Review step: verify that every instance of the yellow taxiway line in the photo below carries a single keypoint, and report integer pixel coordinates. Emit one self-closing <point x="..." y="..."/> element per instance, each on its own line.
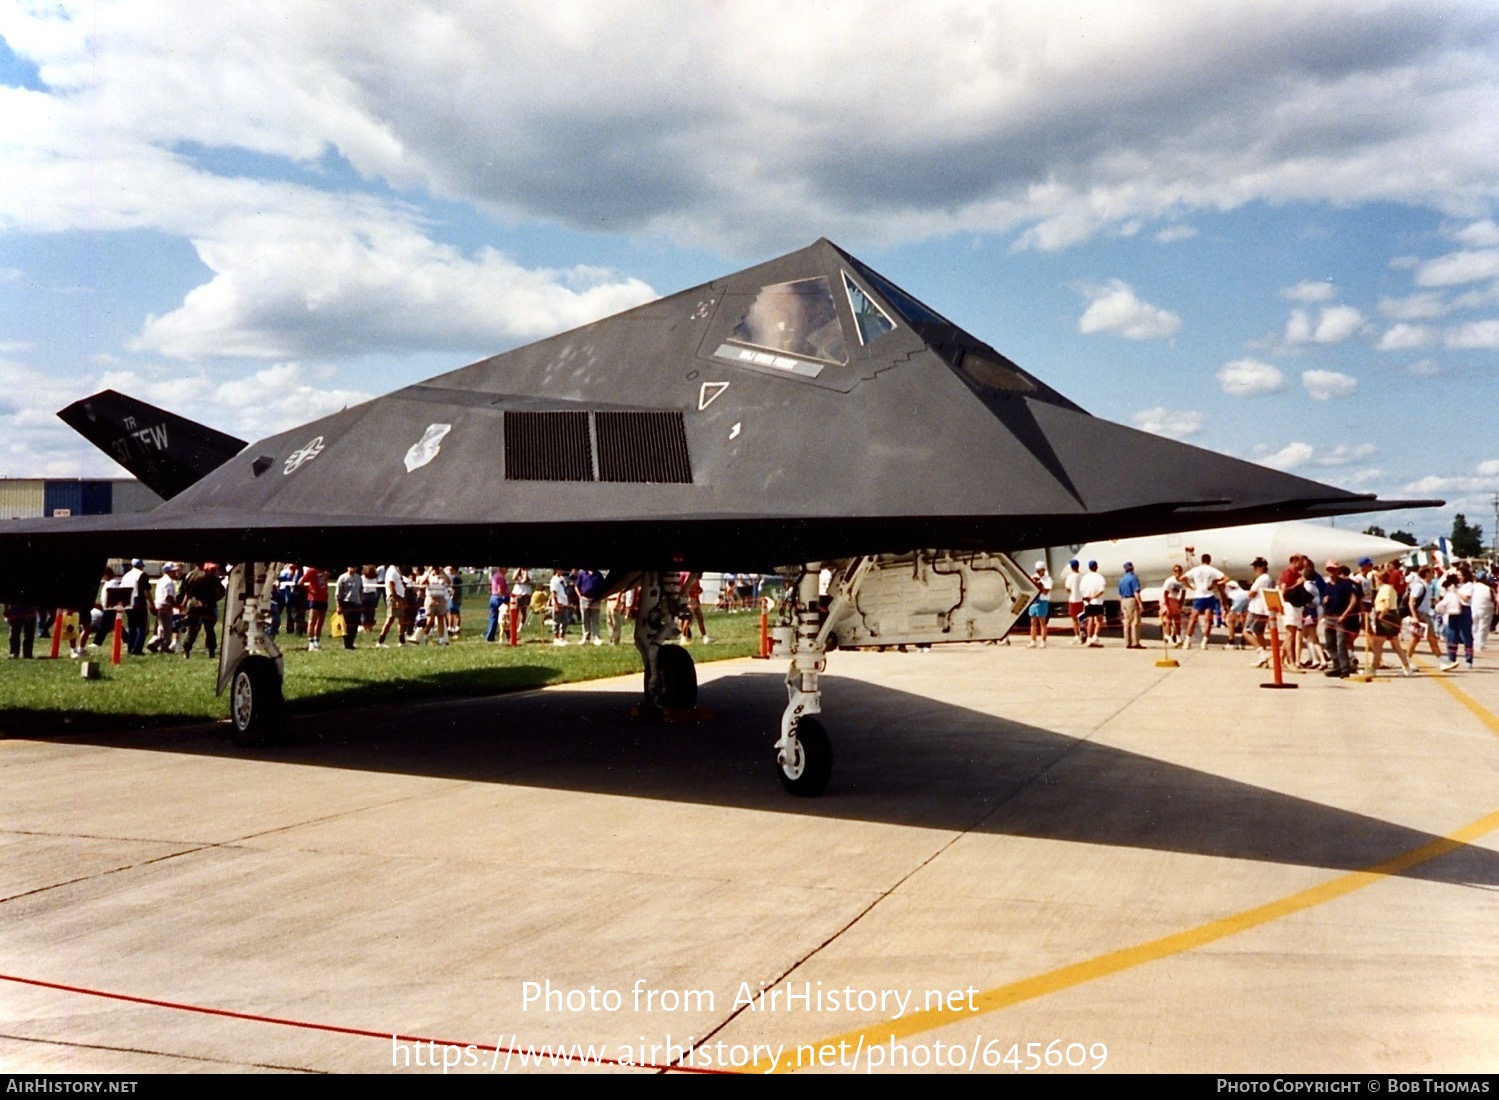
<point x="1115" y="962"/>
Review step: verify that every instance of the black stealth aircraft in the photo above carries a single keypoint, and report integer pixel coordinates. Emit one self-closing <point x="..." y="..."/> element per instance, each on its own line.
<point x="802" y="414"/>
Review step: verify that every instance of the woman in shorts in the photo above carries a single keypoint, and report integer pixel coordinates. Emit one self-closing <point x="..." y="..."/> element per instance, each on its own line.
<point x="1310" y="614"/>
<point x="1040" y="612"/>
<point x="437" y="604"/>
<point x="315" y="581"/>
<point x="1384" y="626"/>
<point x="1173" y="594"/>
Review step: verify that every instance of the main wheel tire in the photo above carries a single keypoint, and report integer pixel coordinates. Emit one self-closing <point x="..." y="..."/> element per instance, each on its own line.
<point x="255" y="701"/>
<point x="678" y="678"/>
<point x="809" y="765"/>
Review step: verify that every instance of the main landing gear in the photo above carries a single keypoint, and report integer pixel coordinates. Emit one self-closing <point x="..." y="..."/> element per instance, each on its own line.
<point x="670" y="675"/>
<point x="250" y="663"/>
<point x="918" y="598"/>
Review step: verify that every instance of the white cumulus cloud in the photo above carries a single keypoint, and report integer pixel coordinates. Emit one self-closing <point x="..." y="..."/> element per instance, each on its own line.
<point x="35" y="443"/>
<point x="1457" y="483"/>
<point x="1290" y="456"/>
<point x="1297" y="454"/>
<point x="1402" y="336"/>
<point x="1365" y="476"/>
<point x="1298" y="327"/>
<point x="1323" y="385"/>
<point x="1250" y="378"/>
<point x="1173" y="233"/>
<point x="1334" y="325"/>
<point x="285" y="284"/>
<point x="1114" y="308"/>
<point x="642" y="119"/>
<point x="1475" y="334"/>
<point x="1174" y="423"/>
<point x="1345" y="454"/>
<point x="1337" y="324"/>
<point x="1315" y="290"/>
<point x="1480" y="234"/>
<point x="1417" y="307"/>
<point x="1459" y="267"/>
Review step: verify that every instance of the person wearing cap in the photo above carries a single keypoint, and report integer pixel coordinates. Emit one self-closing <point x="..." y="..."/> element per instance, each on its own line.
<point x="1040" y="607"/>
<point x="165" y="599"/>
<point x="1259" y="610"/>
<point x="1074" y="600"/>
<point x="1131" y="607"/>
<point x="1368" y="584"/>
<point x="1091" y="588"/>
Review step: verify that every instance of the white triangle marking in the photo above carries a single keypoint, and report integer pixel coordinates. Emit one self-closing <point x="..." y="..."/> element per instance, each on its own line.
<point x="708" y="393"/>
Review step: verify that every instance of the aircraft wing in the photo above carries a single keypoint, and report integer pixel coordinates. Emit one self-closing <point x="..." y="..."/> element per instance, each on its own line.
<point x="801" y="410"/>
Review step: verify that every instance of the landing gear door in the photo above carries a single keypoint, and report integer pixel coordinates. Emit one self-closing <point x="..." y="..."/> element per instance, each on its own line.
<point x="932" y="596"/>
<point x="247" y="592"/>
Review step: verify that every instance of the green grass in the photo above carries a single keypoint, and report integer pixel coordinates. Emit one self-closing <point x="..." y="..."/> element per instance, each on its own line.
<point x="44" y="696"/>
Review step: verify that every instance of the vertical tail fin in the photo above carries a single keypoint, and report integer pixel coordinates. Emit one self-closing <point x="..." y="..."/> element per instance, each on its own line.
<point x="165" y="452"/>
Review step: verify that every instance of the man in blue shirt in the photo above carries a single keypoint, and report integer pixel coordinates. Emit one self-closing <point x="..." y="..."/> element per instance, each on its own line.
<point x="1130" y="606"/>
<point x="1341" y="604"/>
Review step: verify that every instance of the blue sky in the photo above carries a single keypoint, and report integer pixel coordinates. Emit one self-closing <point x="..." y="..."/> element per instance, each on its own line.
<point x="1262" y="228"/>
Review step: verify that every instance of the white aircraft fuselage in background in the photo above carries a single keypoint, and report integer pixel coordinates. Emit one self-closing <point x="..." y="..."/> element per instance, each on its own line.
<point x="1232" y="549"/>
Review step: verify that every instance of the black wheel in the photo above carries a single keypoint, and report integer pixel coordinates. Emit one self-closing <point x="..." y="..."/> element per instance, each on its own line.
<point x="678" y="678"/>
<point x="255" y="702"/>
<point x="809" y="761"/>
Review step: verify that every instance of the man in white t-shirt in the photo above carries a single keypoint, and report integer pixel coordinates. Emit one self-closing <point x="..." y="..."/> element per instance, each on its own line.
<point x="1091" y="588"/>
<point x="395" y="605"/>
<point x="1207" y="584"/>
<point x="165" y="600"/>
<point x="1074" y="600"/>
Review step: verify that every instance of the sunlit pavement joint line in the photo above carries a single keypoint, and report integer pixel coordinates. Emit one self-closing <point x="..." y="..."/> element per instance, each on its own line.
<point x="1115" y="962"/>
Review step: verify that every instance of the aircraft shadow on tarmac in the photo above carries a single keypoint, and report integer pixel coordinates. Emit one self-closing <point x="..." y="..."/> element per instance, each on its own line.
<point x="900" y="759"/>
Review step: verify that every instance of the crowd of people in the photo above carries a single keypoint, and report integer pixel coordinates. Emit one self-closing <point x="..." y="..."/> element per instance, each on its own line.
<point x="1321" y="615"/>
<point x="168" y="613"/>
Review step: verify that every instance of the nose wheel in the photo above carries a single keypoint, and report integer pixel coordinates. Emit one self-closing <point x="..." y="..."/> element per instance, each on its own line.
<point x="805" y="764"/>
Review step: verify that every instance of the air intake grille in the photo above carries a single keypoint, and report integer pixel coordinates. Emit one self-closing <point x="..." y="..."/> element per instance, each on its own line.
<point x="640" y="447"/>
<point x="548" y="446"/>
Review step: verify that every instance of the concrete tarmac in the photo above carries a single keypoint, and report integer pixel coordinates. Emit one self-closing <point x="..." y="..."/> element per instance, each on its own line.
<point x="1060" y="860"/>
